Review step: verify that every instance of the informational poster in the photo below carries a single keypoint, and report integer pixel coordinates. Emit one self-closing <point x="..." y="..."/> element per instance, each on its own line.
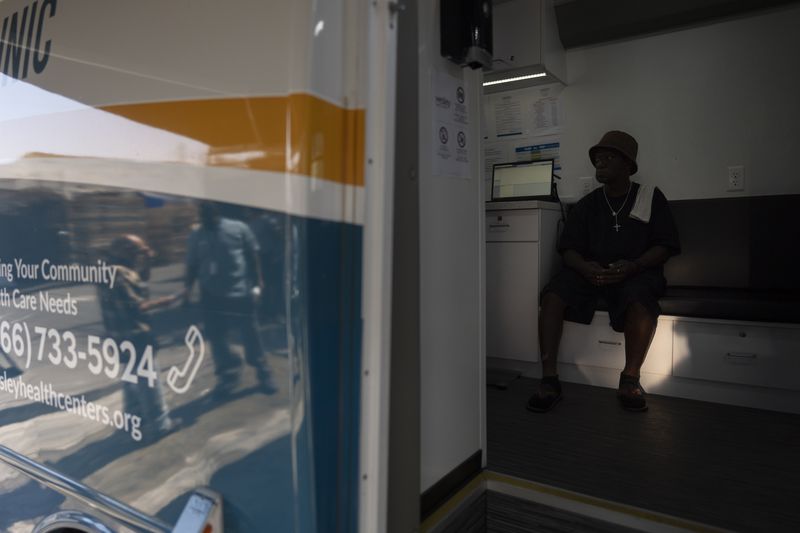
<point x="530" y="112"/>
<point x="450" y="127"/>
<point x="545" y="110"/>
<point x="539" y="149"/>
<point x="522" y="125"/>
<point x="508" y="112"/>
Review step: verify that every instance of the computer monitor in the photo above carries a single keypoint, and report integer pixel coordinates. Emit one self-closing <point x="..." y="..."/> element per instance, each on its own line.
<point x="523" y="180"/>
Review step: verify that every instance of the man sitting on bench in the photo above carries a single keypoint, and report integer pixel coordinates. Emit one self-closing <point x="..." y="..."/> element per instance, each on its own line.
<point x="614" y="245"/>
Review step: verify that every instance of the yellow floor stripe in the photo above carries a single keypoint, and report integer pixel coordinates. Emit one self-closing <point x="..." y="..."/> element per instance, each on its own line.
<point x="482" y="479"/>
<point x="603" y="504"/>
<point x="450" y="505"/>
<point x="298" y="133"/>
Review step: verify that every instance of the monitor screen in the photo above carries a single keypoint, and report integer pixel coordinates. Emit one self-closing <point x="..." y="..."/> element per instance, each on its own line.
<point x="522" y="180"/>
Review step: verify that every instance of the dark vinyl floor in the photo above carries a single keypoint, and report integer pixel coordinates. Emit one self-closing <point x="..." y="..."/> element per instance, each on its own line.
<point x="494" y="512"/>
<point x="506" y="514"/>
<point x="721" y="465"/>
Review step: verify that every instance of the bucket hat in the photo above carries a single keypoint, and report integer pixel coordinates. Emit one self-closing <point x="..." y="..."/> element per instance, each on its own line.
<point x="622" y="143"/>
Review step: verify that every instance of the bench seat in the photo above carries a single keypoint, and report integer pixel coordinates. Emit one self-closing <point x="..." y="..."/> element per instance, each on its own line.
<point x="732" y="304"/>
<point x="729" y="304"/>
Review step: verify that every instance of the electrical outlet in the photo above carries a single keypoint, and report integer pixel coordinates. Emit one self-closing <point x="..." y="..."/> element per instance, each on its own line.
<point x="586" y="185"/>
<point x="735" y="178"/>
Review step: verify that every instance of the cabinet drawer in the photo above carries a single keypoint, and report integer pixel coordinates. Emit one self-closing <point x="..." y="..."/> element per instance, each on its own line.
<point x="512" y="300"/>
<point x="519" y="225"/>
<point x="597" y="344"/>
<point x="747" y="355"/>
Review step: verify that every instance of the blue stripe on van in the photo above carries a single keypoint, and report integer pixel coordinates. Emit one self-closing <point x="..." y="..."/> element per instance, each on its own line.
<point x="329" y="258"/>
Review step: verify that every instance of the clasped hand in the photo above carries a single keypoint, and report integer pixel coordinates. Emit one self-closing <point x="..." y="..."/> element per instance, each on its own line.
<point x="616" y="272"/>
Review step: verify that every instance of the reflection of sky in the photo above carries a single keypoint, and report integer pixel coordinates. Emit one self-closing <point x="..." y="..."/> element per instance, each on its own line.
<point x="37" y="121"/>
<point x="23" y="100"/>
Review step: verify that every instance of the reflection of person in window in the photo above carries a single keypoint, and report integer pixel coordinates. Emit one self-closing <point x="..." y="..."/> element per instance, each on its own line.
<point x="222" y="256"/>
<point x="125" y="309"/>
<point x="269" y="229"/>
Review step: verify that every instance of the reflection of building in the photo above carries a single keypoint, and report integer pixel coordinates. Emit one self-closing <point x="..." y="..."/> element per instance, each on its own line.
<point x="96" y="217"/>
<point x="75" y="223"/>
<point x="32" y="222"/>
<point x="167" y="227"/>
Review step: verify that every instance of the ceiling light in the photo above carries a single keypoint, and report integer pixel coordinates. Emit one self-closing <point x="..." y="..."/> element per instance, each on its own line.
<point x="515" y="78"/>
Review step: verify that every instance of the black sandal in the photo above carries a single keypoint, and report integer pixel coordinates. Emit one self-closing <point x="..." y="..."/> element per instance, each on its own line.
<point x="631" y="394"/>
<point x="548" y="395"/>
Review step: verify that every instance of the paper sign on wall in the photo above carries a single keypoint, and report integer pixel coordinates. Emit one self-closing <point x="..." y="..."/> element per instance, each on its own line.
<point x="530" y="112"/>
<point x="450" y="127"/>
<point x="538" y="151"/>
<point x="522" y="125"/>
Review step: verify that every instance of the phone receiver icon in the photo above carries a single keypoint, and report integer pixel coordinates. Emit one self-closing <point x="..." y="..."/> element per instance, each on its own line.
<point x="194" y="341"/>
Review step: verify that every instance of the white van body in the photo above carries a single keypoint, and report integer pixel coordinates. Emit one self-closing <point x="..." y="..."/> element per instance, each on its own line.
<point x="194" y="203"/>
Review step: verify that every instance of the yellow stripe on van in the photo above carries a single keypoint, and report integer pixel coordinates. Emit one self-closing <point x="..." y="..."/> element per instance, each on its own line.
<point x="299" y="133"/>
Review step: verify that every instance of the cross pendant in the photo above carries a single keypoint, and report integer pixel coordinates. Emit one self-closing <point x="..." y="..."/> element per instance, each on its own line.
<point x="616" y="227"/>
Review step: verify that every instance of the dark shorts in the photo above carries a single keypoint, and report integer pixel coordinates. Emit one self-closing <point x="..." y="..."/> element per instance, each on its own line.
<point x="582" y="297"/>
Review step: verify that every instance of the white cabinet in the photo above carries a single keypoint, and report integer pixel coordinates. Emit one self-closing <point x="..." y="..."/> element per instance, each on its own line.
<point x="598" y="345"/>
<point x="751" y="364"/>
<point x="520" y="259"/>
<point x="520" y="225"/>
<point x="512" y="298"/>
<point x="742" y="353"/>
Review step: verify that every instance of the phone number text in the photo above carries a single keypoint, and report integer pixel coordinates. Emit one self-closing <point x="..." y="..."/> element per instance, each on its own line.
<point x="101" y="356"/>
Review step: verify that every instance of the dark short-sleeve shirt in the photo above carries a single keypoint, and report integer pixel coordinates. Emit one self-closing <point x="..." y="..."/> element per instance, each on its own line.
<point x="222" y="258"/>
<point x="590" y="228"/>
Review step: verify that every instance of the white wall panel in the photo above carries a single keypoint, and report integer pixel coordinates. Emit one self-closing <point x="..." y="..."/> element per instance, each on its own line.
<point x="698" y="101"/>
<point x="451" y="248"/>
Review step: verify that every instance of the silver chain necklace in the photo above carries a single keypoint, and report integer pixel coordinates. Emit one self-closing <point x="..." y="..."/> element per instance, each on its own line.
<point x="616" y="225"/>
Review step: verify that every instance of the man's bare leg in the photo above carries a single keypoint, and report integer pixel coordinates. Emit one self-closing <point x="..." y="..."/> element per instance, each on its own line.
<point x="551" y="322"/>
<point x="639" y="331"/>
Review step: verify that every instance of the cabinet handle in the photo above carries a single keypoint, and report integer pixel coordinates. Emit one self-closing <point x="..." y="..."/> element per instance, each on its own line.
<point x="613" y="343"/>
<point x="492" y="226"/>
<point x="741" y="356"/>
